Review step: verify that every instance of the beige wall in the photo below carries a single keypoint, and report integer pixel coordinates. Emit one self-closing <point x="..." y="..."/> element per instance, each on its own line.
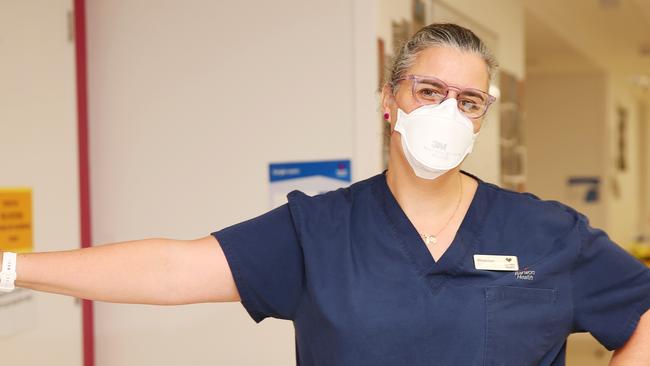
<point x="565" y="136"/>
<point x="189" y="102"/>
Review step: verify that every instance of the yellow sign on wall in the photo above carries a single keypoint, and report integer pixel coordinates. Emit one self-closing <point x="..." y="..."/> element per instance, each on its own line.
<point x="16" y="219"/>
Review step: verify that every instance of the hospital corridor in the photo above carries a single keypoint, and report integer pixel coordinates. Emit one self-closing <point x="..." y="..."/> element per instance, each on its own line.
<point x="332" y="183"/>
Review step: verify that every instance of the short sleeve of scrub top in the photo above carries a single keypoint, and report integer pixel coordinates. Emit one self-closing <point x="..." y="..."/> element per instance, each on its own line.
<point x="361" y="287"/>
<point x="265" y="259"/>
<point x="610" y="288"/>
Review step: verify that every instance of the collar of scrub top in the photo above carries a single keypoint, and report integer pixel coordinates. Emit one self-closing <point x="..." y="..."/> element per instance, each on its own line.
<point x="462" y="247"/>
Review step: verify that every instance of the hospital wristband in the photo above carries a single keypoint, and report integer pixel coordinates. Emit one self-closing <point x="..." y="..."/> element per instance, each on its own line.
<point x="8" y="273"/>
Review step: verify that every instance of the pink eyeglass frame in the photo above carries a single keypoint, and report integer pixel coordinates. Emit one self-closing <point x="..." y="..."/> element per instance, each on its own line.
<point x="490" y="98"/>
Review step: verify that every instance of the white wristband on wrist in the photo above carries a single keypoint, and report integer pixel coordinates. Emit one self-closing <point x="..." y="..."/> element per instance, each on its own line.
<point x="8" y="273"/>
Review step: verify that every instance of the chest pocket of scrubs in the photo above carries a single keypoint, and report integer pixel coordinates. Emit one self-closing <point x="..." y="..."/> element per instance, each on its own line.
<point x="520" y="324"/>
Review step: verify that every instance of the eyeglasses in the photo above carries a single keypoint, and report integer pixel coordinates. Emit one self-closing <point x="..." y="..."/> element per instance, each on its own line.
<point x="427" y="90"/>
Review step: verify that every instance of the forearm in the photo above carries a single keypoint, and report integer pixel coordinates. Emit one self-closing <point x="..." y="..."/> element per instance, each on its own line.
<point x="128" y="272"/>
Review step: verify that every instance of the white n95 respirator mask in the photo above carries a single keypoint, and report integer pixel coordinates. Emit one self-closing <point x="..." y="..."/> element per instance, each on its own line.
<point x="435" y="138"/>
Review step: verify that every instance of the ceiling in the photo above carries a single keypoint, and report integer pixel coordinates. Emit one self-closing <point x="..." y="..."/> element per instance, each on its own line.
<point x="588" y="35"/>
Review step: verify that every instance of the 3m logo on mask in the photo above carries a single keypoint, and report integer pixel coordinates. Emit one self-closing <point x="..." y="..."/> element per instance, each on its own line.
<point x="437" y="145"/>
<point x="438" y="149"/>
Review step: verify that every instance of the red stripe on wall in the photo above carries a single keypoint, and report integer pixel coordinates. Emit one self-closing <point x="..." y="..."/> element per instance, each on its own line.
<point x="84" y="172"/>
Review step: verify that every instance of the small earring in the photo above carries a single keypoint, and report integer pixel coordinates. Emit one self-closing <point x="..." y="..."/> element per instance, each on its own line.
<point x="386" y="116"/>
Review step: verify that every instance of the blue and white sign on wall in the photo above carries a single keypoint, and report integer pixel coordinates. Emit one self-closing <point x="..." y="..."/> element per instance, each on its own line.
<point x="311" y="177"/>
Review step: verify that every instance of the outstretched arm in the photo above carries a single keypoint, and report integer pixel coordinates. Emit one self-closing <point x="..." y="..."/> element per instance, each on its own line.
<point x="151" y="271"/>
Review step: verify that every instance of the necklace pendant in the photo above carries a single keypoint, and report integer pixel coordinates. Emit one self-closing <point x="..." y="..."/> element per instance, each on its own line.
<point x="429" y="239"/>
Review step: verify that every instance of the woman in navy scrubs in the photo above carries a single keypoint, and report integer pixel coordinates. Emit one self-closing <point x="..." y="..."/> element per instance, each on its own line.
<point x="423" y="264"/>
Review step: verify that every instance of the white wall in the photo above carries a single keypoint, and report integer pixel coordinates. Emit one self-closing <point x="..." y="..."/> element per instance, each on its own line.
<point x="189" y="102"/>
<point x="38" y="145"/>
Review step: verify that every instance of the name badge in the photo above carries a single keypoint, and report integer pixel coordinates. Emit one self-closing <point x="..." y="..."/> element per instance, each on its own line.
<point x="496" y="262"/>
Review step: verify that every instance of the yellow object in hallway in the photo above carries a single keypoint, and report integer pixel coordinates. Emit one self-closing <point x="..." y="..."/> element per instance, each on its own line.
<point x="640" y="248"/>
<point x="16" y="219"/>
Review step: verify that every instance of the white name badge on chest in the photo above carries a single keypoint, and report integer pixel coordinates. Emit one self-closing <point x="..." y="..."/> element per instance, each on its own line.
<point x="496" y="262"/>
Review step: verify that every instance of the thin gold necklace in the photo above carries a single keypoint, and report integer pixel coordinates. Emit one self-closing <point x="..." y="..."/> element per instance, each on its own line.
<point x="433" y="239"/>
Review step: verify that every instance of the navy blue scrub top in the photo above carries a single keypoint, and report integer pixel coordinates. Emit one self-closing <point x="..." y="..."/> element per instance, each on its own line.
<point x="361" y="287"/>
